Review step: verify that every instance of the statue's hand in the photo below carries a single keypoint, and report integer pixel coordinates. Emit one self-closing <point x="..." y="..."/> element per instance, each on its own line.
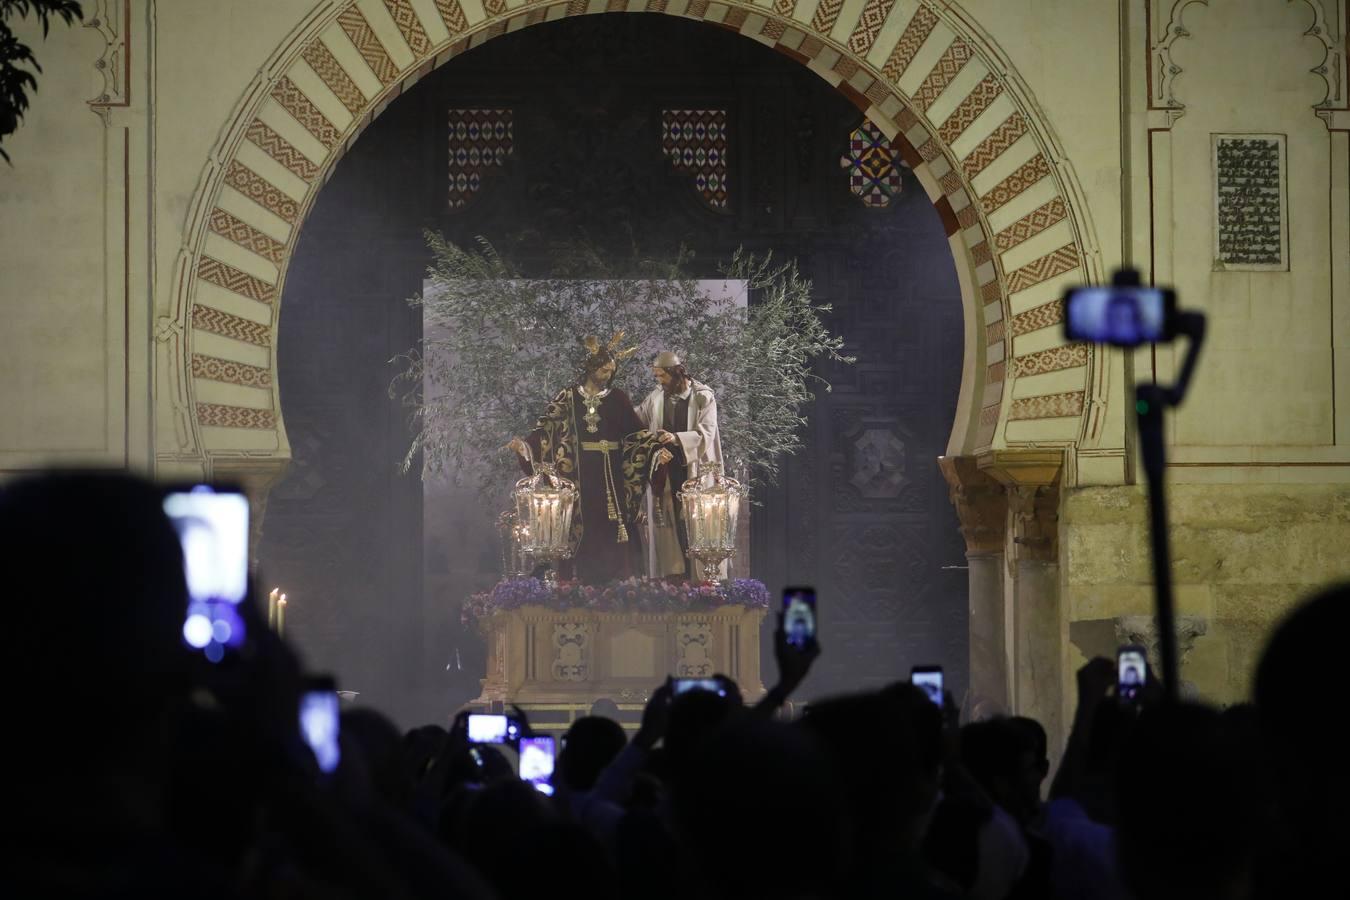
<point x="520" y="447"/>
<point x="665" y="437"/>
<point x="663" y="457"/>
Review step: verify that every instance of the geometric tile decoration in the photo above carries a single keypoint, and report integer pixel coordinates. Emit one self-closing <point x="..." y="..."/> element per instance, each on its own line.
<point x="1048" y="266"/>
<point x="326" y="66"/>
<point x="869" y="25"/>
<point x="261" y="191"/>
<point x="214" y="368"/>
<point x="992" y="147"/>
<point x="231" y="279"/>
<point x="1043" y="316"/>
<point x="368" y="45"/>
<point x="995" y="372"/>
<point x="734" y="18"/>
<point x="1052" y="360"/>
<point x="948" y="66"/>
<point x="969" y="109"/>
<point x="246" y="236"/>
<point x="208" y="318"/>
<point x="452" y="15"/>
<point x="826" y="13"/>
<point x="1048" y="406"/>
<point x="1032" y="224"/>
<point x="1030" y="172"/>
<point x="408" y="24"/>
<point x="873" y="166"/>
<point x="480" y="139"/>
<point x="916" y="32"/>
<point x="989" y="415"/>
<point x="294" y="101"/>
<point x="218" y="415"/>
<point x="497" y="7"/>
<point x="773" y="29"/>
<point x="695" y="141"/>
<point x="281" y="150"/>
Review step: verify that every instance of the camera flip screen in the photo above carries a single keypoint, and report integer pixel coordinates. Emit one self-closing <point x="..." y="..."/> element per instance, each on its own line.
<point x="1124" y="316"/>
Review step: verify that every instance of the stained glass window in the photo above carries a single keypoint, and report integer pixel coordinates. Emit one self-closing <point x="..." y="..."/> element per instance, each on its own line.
<point x="873" y="166"/>
<point x="480" y="140"/>
<point x="695" y="141"/>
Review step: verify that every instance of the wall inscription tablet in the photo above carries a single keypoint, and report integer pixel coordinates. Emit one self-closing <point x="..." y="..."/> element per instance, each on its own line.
<point x="1250" y="212"/>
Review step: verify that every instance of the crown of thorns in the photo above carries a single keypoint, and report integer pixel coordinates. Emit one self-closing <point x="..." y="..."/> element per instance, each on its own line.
<point x="593" y="347"/>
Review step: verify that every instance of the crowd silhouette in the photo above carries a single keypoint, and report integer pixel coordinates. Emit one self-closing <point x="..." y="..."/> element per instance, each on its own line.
<point x="139" y="769"/>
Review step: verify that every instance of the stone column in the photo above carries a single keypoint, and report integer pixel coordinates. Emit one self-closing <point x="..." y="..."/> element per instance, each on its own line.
<point x="982" y="508"/>
<point x="1037" y="628"/>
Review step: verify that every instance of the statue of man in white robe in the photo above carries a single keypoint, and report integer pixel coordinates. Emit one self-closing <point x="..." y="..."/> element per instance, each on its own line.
<point x="682" y="413"/>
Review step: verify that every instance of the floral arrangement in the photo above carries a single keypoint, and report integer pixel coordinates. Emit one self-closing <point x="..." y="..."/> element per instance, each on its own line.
<point x="640" y="594"/>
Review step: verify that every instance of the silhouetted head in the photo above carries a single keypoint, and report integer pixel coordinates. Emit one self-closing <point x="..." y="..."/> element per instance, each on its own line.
<point x="1183" y="812"/>
<point x="494" y="823"/>
<point x="1307" y="764"/>
<point x="763" y="813"/>
<point x="888" y="748"/>
<point x="381" y="748"/>
<point x="1002" y="760"/>
<point x="607" y="708"/>
<point x="592" y="743"/>
<point x="95" y="603"/>
<point x="694" y="716"/>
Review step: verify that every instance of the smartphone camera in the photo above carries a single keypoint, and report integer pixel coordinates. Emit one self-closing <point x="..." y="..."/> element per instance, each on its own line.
<point x="212" y="527"/>
<point x="536" y="763"/>
<point x="799" y="616"/>
<point x="1131" y="674"/>
<point x="1123" y="315"/>
<point x="929" y="680"/>
<point x="319" y="719"/>
<point x="712" y="685"/>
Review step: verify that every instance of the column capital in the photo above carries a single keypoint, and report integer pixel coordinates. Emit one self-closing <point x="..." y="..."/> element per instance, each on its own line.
<point x="1031" y="479"/>
<point x="981" y="504"/>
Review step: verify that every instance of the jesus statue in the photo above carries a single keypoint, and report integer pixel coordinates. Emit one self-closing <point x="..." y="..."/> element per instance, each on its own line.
<point x="592" y="436"/>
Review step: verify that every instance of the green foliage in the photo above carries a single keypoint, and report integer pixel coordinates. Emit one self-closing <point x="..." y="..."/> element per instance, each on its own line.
<point x="15" y="82"/>
<point x="499" y="345"/>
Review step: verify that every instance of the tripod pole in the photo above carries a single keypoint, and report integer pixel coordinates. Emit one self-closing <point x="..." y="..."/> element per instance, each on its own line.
<point x="1149" y="402"/>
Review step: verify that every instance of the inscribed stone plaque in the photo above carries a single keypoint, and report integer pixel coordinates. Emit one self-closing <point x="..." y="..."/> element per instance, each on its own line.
<point x="1251" y="230"/>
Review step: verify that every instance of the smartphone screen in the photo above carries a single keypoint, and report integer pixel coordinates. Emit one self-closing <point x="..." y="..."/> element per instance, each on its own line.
<point x="929" y="680"/>
<point x="681" y="685"/>
<point x="1131" y="673"/>
<point x="319" y="725"/>
<point x="212" y="526"/>
<point x="487" y="728"/>
<point x="799" y="616"/>
<point x="1126" y="316"/>
<point x="536" y="762"/>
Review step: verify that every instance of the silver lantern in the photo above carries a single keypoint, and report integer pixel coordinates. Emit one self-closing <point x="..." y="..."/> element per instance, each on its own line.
<point x="712" y="504"/>
<point x="545" y="502"/>
<point x="516" y="562"/>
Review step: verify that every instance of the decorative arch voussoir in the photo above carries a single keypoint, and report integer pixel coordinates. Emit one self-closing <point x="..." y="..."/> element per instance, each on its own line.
<point x="853" y="53"/>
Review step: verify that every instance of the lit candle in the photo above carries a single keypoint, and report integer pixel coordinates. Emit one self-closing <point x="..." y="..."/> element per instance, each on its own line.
<point x="281" y="616"/>
<point x="272" y="608"/>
